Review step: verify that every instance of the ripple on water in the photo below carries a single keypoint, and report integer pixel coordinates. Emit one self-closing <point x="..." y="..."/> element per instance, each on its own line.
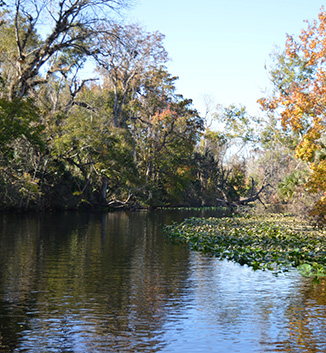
<point x="117" y="285"/>
<point x="235" y="309"/>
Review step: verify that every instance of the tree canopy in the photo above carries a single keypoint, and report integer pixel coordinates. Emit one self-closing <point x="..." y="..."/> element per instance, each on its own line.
<point x="123" y="136"/>
<point x="299" y="98"/>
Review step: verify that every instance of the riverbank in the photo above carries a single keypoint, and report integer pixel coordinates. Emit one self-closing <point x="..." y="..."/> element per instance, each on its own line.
<point x="275" y="242"/>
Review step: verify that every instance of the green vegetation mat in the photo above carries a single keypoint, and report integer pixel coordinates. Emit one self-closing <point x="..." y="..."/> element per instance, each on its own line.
<point x="273" y="242"/>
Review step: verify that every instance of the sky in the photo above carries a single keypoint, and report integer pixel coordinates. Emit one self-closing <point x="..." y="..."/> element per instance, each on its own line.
<point x="219" y="48"/>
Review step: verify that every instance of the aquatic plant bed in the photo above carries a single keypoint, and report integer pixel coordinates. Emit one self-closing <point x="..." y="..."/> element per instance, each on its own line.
<point x="202" y="208"/>
<point x="273" y="242"/>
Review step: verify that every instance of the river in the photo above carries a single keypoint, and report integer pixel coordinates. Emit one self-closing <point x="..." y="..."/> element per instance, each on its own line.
<point x="78" y="282"/>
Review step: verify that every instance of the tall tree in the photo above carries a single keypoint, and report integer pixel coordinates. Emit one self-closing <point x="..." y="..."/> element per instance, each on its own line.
<point x="43" y="46"/>
<point x="165" y="130"/>
<point x="99" y="153"/>
<point x="66" y="31"/>
<point x="300" y="98"/>
<point x="126" y="56"/>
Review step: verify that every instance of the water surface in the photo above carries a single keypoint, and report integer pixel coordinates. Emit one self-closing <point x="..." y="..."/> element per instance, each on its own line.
<point x="113" y="283"/>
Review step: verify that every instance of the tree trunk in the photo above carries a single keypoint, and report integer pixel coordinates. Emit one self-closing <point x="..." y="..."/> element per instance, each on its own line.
<point x="104" y="187"/>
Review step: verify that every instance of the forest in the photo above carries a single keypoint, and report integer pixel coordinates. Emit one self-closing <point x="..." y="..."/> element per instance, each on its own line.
<point x="122" y="137"/>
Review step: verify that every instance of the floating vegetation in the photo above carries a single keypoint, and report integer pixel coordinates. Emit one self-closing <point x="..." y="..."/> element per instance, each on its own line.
<point x="276" y="242"/>
<point x="202" y="208"/>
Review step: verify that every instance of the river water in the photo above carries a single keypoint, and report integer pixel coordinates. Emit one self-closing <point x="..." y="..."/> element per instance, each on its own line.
<point x="83" y="283"/>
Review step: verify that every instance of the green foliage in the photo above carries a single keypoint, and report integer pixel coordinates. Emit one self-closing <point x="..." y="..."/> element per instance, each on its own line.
<point x="317" y="270"/>
<point x="237" y="179"/>
<point x="290" y="184"/>
<point x="164" y="140"/>
<point x="272" y="134"/>
<point x="95" y="149"/>
<point x="276" y="243"/>
<point x="216" y="143"/>
<point x="19" y="118"/>
<point x="74" y="141"/>
<point x="286" y="70"/>
<point x="238" y="124"/>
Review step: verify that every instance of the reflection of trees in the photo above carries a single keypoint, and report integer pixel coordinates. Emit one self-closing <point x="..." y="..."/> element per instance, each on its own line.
<point x="154" y="279"/>
<point x="307" y="319"/>
<point x="18" y="253"/>
<point x="73" y="281"/>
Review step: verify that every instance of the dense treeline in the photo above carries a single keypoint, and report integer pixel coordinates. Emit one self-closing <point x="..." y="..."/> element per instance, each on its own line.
<point x="122" y="137"/>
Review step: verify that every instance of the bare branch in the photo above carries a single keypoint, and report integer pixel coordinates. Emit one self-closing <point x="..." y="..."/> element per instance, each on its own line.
<point x="244" y="202"/>
<point x="75" y="26"/>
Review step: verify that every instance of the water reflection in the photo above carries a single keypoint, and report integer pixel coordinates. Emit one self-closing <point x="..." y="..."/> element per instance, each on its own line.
<point x="112" y="283"/>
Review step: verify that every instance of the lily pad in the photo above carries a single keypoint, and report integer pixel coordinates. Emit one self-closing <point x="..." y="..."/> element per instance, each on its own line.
<point x="276" y="242"/>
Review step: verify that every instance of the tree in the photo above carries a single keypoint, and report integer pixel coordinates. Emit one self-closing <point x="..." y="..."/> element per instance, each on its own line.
<point x="21" y="141"/>
<point x="96" y="152"/>
<point x="65" y="42"/>
<point x="164" y="146"/>
<point x="300" y="98"/>
<point x="19" y="119"/>
<point x="43" y="47"/>
<point x="210" y="167"/>
<point x="126" y="56"/>
<point x="240" y="128"/>
<point x="222" y="159"/>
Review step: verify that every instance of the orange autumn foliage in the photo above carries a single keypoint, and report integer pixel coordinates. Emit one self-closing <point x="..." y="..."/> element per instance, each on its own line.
<point x="302" y="105"/>
<point x="164" y="115"/>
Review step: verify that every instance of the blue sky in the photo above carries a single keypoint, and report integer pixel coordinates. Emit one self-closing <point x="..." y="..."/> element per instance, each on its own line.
<point x="220" y="47"/>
